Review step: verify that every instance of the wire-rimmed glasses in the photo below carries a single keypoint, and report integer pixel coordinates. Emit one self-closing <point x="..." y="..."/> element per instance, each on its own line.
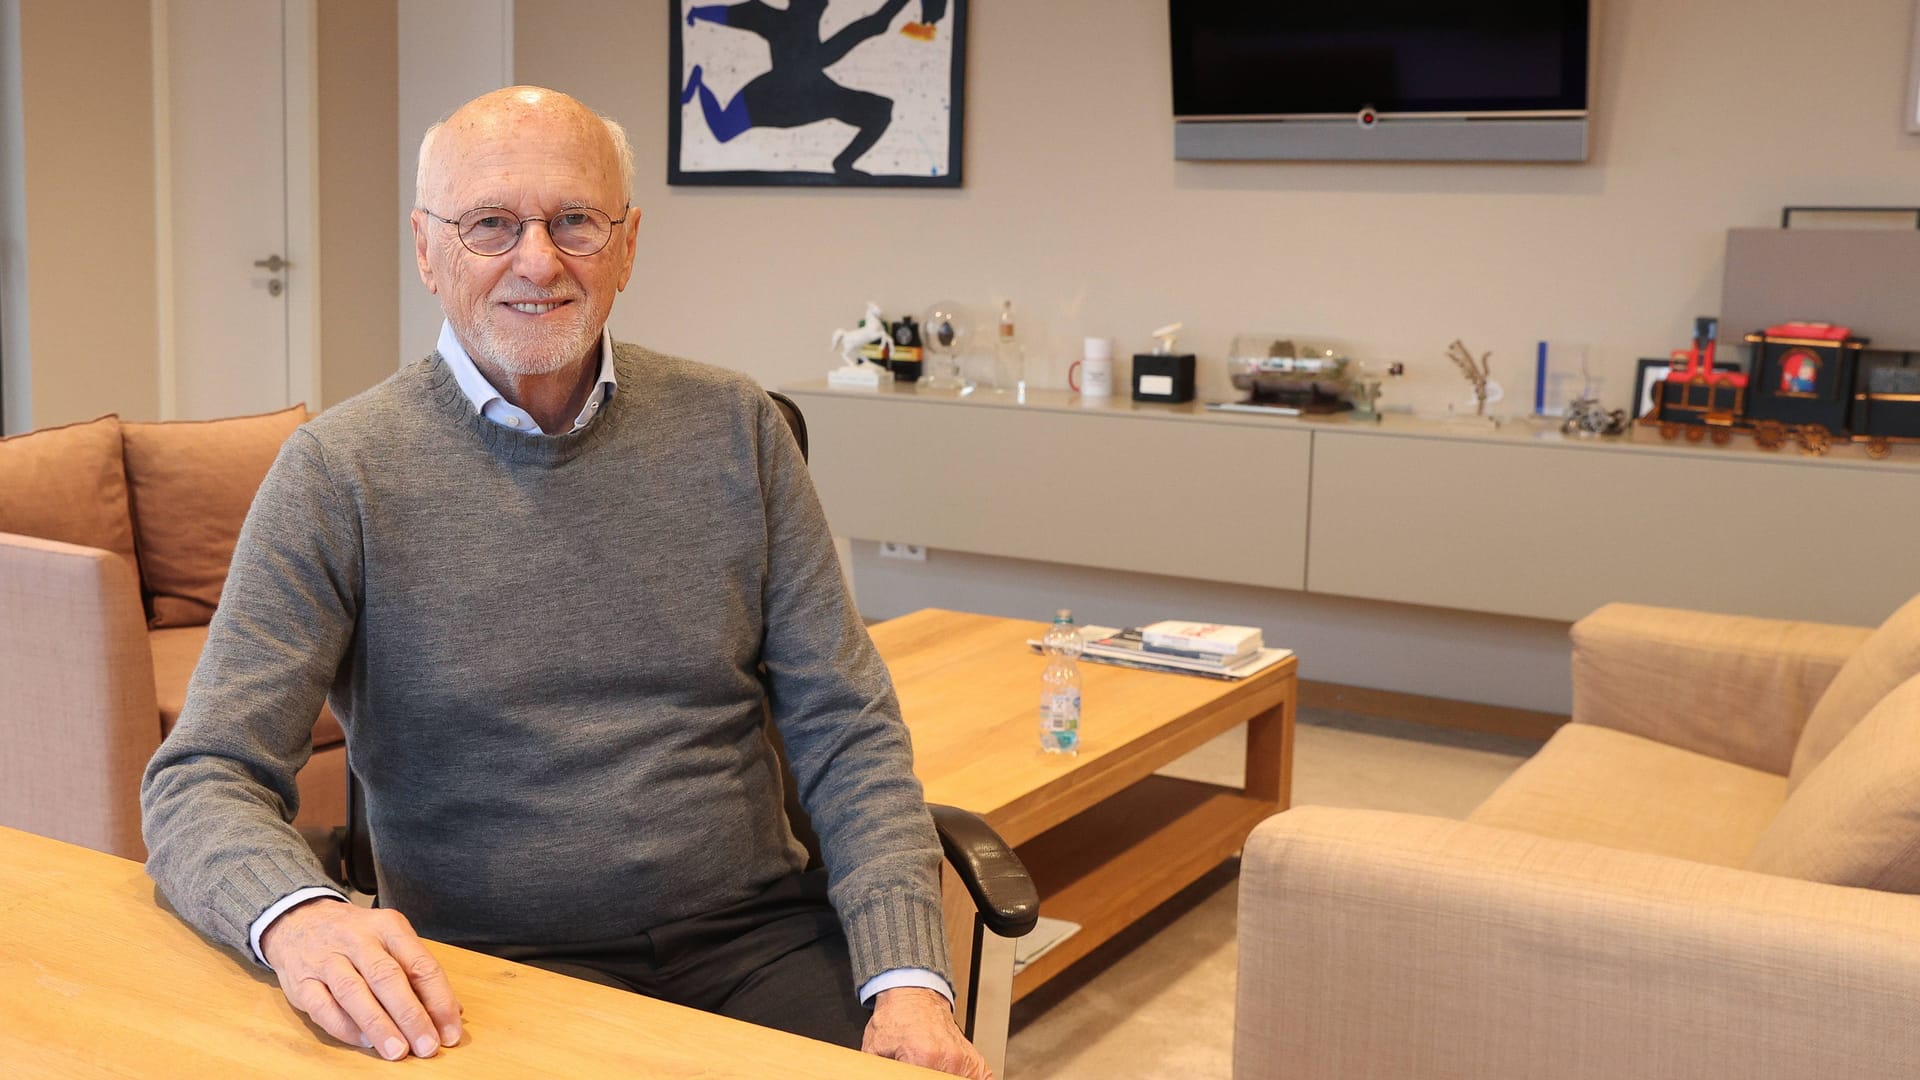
<point x="494" y="230"/>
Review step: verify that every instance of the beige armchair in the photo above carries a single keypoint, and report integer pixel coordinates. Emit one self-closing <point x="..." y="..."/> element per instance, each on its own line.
<point x="1707" y="873"/>
<point x="114" y="543"/>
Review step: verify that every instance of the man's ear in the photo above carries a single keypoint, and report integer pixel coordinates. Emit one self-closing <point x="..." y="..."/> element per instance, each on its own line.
<point x="629" y="243"/>
<point x="420" y="222"/>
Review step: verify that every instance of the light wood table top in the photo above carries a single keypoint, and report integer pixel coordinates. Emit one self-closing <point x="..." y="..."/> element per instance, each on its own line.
<point x="969" y="689"/>
<point x="1103" y="837"/>
<point x="97" y="978"/>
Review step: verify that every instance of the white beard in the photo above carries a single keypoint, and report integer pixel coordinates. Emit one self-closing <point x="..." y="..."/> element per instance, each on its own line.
<point x="545" y="355"/>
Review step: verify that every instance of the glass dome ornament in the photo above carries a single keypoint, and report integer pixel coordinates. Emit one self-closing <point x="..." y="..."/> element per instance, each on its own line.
<point x="943" y="334"/>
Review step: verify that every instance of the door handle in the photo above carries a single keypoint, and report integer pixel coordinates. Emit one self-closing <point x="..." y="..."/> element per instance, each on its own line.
<point x="273" y="264"/>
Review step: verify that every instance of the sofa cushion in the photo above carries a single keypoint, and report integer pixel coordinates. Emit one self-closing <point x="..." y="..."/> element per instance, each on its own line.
<point x="68" y="484"/>
<point x="1623" y="791"/>
<point x="191" y="482"/>
<point x="1888" y="658"/>
<point x="1855" y="819"/>
<point x="176" y="651"/>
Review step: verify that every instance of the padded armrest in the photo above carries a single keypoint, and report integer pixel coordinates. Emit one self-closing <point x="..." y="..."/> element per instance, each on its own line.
<point x="1377" y="944"/>
<point x="78" y="716"/>
<point x="1733" y="687"/>
<point x="1001" y="888"/>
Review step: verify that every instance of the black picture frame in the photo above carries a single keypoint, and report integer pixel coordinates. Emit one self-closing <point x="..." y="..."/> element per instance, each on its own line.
<point x="815" y="80"/>
<point x="1651" y="370"/>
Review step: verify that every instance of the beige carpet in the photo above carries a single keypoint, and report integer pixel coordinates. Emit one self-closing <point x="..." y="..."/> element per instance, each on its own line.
<point x="1157" y="1001"/>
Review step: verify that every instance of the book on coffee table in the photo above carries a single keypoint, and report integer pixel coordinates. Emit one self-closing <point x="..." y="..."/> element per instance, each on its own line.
<point x="1202" y="639"/>
<point x="1044" y="936"/>
<point x="1123" y="648"/>
<point x="1133" y="641"/>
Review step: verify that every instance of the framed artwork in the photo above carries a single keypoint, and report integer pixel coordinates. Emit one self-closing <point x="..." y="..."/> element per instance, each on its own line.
<point x="1652" y="371"/>
<point x="860" y="93"/>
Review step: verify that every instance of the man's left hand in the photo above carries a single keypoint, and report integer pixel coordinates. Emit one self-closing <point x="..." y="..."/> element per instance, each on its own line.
<point x="915" y="1025"/>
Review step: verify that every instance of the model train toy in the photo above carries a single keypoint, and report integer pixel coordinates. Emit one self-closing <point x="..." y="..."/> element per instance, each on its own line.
<point x="1813" y="382"/>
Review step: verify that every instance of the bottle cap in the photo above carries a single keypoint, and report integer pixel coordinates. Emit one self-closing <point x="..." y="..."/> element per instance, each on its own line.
<point x="1163" y="338"/>
<point x="1097" y="348"/>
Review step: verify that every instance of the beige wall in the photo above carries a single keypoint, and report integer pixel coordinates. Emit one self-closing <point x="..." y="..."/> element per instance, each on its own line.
<point x="1708" y="114"/>
<point x="358" y="137"/>
<point x="86" y="73"/>
<point x="86" y="103"/>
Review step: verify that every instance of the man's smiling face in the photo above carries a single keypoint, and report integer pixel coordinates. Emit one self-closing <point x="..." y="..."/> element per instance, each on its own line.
<point x="534" y="310"/>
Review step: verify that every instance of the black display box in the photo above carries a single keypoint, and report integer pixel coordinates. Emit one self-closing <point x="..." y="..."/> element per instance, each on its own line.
<point x="1799" y="381"/>
<point x="1163" y="377"/>
<point x="1886" y="408"/>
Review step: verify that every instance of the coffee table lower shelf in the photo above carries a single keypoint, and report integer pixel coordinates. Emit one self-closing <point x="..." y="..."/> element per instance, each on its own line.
<point x="1111" y="864"/>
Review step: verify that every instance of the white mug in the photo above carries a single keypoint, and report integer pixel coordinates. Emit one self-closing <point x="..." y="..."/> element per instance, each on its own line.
<point x="1095" y="368"/>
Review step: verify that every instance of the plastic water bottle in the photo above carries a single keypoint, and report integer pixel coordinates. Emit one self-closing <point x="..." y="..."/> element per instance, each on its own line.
<point x="1060" y="687"/>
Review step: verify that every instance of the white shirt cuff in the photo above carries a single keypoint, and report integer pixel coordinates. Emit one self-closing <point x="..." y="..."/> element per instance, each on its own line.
<point x="279" y="908"/>
<point x="895" y="977"/>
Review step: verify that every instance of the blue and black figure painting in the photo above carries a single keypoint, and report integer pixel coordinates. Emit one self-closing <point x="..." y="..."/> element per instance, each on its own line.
<point x="797" y="90"/>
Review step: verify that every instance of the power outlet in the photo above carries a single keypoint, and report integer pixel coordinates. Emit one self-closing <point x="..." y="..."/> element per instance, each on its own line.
<point x="893" y="549"/>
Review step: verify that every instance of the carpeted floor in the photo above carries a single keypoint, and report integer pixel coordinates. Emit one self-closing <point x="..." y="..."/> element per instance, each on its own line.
<point x="1157" y="1001"/>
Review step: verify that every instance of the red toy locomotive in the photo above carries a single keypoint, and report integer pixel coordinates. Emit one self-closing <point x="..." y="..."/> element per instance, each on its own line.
<point x="1815" y="382"/>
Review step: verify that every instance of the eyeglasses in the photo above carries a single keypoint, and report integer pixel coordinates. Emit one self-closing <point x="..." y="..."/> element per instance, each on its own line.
<point x="494" y="230"/>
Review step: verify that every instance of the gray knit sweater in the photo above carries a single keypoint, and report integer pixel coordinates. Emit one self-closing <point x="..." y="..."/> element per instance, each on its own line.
<point x="545" y="652"/>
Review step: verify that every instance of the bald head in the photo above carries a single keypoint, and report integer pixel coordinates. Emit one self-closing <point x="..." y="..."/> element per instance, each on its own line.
<point x="505" y="115"/>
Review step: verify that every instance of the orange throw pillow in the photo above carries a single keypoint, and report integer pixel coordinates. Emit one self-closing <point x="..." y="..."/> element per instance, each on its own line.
<point x="67" y="484"/>
<point x="191" y="483"/>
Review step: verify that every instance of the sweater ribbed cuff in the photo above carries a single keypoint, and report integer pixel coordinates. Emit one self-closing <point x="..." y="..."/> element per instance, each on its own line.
<point x="254" y="884"/>
<point x="891" y="931"/>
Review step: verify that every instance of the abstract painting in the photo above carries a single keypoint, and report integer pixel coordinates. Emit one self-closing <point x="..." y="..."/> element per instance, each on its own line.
<point x="827" y="92"/>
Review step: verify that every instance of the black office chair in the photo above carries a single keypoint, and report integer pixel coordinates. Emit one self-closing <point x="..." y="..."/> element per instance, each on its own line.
<point x="1006" y="904"/>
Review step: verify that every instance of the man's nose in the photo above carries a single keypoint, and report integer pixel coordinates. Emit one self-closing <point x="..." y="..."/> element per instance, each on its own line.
<point x="534" y="257"/>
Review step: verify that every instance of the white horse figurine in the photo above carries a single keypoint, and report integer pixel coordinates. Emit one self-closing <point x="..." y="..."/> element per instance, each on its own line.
<point x="871" y="331"/>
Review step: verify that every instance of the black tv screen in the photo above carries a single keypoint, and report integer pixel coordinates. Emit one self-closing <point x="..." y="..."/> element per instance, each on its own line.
<point x="1242" y="58"/>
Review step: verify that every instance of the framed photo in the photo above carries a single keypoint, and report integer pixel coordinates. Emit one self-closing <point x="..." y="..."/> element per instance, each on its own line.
<point x="1652" y="371"/>
<point x="863" y="93"/>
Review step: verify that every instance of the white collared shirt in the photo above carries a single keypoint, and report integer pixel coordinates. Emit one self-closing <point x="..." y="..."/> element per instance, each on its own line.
<point x="488" y="402"/>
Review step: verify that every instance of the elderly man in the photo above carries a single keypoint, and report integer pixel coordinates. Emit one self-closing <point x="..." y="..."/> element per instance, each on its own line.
<point x="548" y="584"/>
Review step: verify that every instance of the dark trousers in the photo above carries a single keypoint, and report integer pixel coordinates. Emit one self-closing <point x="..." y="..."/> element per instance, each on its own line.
<point x="778" y="960"/>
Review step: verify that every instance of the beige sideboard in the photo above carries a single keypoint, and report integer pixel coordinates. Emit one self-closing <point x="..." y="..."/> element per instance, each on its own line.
<point x="1517" y="521"/>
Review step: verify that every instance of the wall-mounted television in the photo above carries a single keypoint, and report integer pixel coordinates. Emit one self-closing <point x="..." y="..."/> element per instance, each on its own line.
<point x="1448" y="80"/>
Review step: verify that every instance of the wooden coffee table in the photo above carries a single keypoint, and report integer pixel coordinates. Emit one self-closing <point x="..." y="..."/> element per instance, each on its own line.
<point x="1105" y="840"/>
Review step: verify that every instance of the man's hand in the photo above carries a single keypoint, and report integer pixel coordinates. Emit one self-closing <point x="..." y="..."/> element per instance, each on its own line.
<point x="364" y="976"/>
<point x="915" y="1025"/>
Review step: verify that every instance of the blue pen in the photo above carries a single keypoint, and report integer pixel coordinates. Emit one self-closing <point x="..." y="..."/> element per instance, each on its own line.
<point x="1540" y="382"/>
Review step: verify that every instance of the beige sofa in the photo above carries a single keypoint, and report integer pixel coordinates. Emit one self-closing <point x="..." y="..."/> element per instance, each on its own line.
<point x="114" y="543"/>
<point x="1707" y="873"/>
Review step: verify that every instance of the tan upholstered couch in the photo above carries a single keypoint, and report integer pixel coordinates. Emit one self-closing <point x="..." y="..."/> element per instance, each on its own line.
<point x="114" y="543"/>
<point x="1708" y="873"/>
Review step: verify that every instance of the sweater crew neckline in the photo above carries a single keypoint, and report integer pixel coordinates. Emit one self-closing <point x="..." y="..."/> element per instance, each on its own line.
<point x="520" y="447"/>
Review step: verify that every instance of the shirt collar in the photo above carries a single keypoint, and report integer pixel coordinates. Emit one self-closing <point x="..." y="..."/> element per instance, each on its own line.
<point x="488" y="401"/>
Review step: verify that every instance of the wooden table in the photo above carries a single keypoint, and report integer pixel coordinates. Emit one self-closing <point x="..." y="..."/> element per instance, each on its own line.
<point x="1105" y="839"/>
<point x="97" y="978"/>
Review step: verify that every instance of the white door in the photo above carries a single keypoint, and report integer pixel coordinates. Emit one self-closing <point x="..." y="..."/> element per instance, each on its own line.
<point x="237" y="285"/>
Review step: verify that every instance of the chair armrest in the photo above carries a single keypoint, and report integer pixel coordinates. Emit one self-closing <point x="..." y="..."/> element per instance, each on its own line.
<point x="1377" y="944"/>
<point x="1733" y="687"/>
<point x="78" y="717"/>
<point x="1001" y="888"/>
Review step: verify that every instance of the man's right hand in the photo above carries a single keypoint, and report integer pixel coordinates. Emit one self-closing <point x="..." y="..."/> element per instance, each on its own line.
<point x="364" y="976"/>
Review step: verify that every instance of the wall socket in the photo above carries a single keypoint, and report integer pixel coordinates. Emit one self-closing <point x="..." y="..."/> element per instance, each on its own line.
<point x="893" y="549"/>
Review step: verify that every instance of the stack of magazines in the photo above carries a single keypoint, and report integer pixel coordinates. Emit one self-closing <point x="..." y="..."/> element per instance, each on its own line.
<point x="1212" y="649"/>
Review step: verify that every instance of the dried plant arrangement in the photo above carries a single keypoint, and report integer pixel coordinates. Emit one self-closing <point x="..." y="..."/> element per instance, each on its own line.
<point x="1476" y="371"/>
